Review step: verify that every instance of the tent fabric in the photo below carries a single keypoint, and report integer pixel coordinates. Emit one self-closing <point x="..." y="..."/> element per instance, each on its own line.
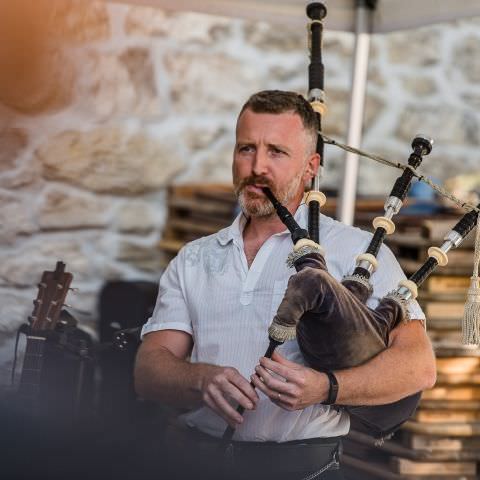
<point x="390" y="15"/>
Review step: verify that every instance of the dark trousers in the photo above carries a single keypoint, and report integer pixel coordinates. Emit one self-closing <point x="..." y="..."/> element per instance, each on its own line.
<point x="191" y="454"/>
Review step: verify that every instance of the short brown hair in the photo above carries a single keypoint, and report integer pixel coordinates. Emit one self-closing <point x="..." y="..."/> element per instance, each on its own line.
<point x="279" y="101"/>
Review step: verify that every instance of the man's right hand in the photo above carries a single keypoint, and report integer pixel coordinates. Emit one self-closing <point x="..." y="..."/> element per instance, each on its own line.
<point x="220" y="385"/>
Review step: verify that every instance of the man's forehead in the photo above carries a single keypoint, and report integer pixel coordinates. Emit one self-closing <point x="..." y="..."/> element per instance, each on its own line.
<point x="250" y="120"/>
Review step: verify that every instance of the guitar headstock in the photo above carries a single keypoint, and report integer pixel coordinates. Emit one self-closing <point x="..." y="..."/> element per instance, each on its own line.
<point x="52" y="290"/>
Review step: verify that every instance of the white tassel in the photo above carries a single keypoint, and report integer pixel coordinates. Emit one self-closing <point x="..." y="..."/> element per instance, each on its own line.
<point x="471" y="316"/>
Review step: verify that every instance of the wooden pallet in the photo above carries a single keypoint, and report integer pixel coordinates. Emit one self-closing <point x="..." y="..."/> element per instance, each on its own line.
<point x="194" y="211"/>
<point x="395" y="460"/>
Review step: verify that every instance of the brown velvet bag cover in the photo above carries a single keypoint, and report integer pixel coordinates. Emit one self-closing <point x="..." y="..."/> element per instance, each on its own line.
<point x="336" y="330"/>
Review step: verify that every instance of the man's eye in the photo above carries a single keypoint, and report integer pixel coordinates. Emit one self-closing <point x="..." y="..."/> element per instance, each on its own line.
<point x="245" y="148"/>
<point x="276" y="151"/>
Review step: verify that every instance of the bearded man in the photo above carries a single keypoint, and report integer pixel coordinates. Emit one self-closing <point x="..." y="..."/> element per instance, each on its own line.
<point x="216" y="299"/>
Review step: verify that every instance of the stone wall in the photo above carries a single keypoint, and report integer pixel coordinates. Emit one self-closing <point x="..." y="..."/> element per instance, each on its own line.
<point x="103" y="106"/>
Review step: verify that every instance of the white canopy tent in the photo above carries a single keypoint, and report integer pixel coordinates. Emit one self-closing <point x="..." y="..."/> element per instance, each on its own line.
<point x="389" y="15"/>
<point x="362" y="17"/>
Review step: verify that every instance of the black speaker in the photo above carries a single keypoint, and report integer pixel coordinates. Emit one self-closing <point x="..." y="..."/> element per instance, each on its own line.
<point x="124" y="308"/>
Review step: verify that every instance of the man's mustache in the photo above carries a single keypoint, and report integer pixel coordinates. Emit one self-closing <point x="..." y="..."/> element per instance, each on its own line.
<point x="254" y="180"/>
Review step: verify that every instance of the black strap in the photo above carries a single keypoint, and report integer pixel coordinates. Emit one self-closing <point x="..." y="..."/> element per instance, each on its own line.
<point x="333" y="389"/>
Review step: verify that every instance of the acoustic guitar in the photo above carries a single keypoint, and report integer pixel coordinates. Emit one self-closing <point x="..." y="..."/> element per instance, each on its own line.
<point x="52" y="290"/>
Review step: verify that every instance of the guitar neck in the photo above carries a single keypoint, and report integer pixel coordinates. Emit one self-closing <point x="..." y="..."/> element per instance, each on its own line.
<point x="31" y="372"/>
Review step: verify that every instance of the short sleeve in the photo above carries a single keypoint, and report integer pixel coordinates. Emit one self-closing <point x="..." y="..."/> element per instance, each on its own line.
<point x="385" y="280"/>
<point x="171" y="311"/>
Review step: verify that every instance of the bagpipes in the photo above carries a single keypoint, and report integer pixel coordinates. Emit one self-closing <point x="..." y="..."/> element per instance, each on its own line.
<point x="334" y="327"/>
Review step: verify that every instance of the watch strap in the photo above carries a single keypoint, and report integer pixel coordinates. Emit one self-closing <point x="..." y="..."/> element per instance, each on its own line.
<point x="333" y="389"/>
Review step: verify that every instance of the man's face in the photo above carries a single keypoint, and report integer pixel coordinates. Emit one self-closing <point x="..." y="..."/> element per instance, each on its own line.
<point x="271" y="150"/>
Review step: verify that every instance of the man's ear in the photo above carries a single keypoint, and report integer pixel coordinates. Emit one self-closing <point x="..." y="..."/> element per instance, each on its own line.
<point x="312" y="166"/>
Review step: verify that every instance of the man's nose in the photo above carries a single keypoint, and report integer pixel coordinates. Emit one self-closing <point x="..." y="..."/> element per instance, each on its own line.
<point x="261" y="162"/>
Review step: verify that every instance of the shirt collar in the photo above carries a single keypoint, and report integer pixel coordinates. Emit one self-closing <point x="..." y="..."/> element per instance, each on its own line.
<point x="235" y="230"/>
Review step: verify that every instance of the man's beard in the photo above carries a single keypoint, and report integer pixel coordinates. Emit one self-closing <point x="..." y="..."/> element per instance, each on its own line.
<point x="258" y="205"/>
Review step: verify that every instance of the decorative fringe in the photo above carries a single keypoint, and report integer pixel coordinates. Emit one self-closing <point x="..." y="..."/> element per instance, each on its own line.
<point x="471" y="316"/>
<point x="282" y="333"/>
<point x="402" y="302"/>
<point x="359" y="279"/>
<point x="295" y="255"/>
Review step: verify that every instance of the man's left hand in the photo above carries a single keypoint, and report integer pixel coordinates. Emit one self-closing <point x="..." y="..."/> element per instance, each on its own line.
<point x="288" y="384"/>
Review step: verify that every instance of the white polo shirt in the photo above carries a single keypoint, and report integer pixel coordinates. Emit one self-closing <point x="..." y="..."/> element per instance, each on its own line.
<point x="209" y="292"/>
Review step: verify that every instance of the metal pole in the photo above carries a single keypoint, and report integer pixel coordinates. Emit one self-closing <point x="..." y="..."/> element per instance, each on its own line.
<point x="346" y="205"/>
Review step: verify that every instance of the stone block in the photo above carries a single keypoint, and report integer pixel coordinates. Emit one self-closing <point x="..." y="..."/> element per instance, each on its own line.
<point x="201" y="138"/>
<point x="109" y="160"/>
<point x="266" y="36"/>
<point x="14" y="310"/>
<point x="375" y="76"/>
<point x="138" y="62"/>
<point x="215" y="168"/>
<point x="24" y="266"/>
<point x="339" y="45"/>
<point x="65" y="209"/>
<point x="81" y="21"/>
<point x="336" y="120"/>
<point x="293" y="72"/>
<point x="420" y="86"/>
<point x="15" y="218"/>
<point x="466" y="58"/>
<point x="211" y="83"/>
<point x="145" y="21"/>
<point x="445" y="123"/>
<point x="420" y="48"/>
<point x="182" y="27"/>
<point x="144" y="257"/>
<point x="25" y="176"/>
<point x="121" y="84"/>
<point x="136" y="216"/>
<point x="12" y="142"/>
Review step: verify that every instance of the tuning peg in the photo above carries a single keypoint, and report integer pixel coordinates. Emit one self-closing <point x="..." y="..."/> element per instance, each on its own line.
<point x="74" y="289"/>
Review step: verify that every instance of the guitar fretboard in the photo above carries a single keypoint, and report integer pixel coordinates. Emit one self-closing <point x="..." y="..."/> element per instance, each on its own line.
<point x="31" y="371"/>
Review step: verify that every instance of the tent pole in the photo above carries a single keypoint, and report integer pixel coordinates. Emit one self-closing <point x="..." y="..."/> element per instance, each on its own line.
<point x="346" y="205"/>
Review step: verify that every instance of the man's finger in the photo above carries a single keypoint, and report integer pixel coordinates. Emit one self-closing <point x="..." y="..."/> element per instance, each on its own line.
<point x="226" y="410"/>
<point x="261" y="386"/>
<point x="213" y="406"/>
<point x="272" y="393"/>
<point x="243" y="385"/>
<point x="281" y="359"/>
<point x="278" y="385"/>
<point x="236" y="394"/>
<point x="284" y="371"/>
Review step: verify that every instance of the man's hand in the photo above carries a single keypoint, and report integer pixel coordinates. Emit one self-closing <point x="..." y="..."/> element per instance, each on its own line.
<point x="221" y="384"/>
<point x="291" y="386"/>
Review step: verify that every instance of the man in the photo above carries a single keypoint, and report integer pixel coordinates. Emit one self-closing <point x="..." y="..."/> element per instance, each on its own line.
<point x="218" y="297"/>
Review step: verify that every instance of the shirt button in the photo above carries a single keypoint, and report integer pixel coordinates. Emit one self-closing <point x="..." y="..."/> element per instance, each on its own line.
<point x="246" y="298"/>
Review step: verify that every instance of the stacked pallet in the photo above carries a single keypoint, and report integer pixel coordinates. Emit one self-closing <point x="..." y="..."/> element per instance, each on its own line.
<point x="194" y="211"/>
<point x="442" y="440"/>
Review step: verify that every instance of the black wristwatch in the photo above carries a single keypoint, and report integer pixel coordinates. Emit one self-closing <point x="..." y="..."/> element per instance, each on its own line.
<point x="333" y="389"/>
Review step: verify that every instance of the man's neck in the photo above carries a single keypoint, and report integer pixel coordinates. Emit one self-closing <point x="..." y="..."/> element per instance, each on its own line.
<point x="262" y="228"/>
